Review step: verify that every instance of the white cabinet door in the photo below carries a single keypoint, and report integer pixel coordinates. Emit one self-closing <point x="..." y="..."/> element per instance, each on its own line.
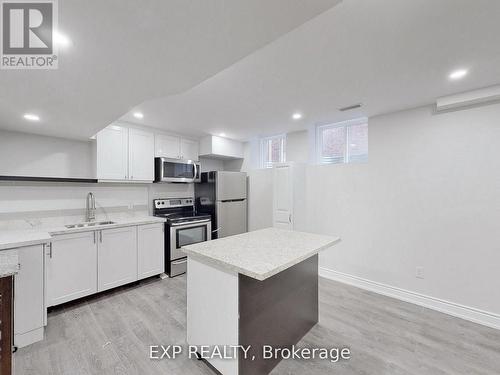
<point x="189" y="149"/>
<point x="117" y="257"/>
<point x="167" y="146"/>
<point x="141" y="155"/>
<point x="112" y="152"/>
<point x="283" y="198"/>
<point x="150" y="250"/>
<point x="71" y="266"/>
<point x="29" y="305"/>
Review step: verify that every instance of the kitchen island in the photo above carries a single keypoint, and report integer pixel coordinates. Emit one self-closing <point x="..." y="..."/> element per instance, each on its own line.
<point x="250" y="290"/>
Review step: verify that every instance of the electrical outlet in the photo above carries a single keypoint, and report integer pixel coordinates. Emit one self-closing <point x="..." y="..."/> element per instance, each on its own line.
<point x="130" y="206"/>
<point x="419" y="272"/>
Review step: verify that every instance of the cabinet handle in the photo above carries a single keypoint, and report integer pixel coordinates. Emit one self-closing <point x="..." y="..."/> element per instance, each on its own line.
<point x="100" y="236"/>
<point x="49" y="245"/>
<point x="94" y="237"/>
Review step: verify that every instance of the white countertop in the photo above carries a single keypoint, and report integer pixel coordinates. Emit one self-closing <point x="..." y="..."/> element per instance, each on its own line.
<point x="260" y="254"/>
<point x="9" y="263"/>
<point x="10" y="239"/>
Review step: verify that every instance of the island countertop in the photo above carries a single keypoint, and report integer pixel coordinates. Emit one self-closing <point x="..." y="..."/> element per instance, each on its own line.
<point x="260" y="254"/>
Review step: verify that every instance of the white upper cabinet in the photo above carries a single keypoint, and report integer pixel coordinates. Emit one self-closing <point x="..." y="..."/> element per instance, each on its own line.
<point x="222" y="148"/>
<point x="189" y="149"/>
<point x="112" y="153"/>
<point x="173" y="147"/>
<point x="141" y="155"/>
<point x="167" y="146"/>
<point x="125" y="154"/>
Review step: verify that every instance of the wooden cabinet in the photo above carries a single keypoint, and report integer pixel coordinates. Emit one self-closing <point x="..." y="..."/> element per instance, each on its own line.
<point x="112" y="153"/>
<point x="71" y="267"/>
<point x="173" y="147"/>
<point x="29" y="304"/>
<point x="140" y="155"/>
<point x="117" y="257"/>
<point x="150" y="250"/>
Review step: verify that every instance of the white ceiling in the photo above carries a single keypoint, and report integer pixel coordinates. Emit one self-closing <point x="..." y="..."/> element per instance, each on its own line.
<point x="388" y="54"/>
<point x="127" y="51"/>
<point x="196" y="59"/>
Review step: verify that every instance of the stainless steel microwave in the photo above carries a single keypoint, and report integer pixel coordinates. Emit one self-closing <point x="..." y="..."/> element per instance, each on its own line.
<point x="171" y="170"/>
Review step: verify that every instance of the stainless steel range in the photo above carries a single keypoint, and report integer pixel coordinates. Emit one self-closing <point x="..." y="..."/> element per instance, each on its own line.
<point x="183" y="227"/>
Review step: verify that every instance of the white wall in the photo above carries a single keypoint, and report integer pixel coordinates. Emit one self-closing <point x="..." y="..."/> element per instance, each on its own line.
<point x="297" y="147"/>
<point x="24" y="154"/>
<point x="429" y="196"/>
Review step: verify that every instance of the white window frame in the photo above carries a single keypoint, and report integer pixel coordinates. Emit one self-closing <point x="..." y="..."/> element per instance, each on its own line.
<point x="263" y="140"/>
<point x="342" y="124"/>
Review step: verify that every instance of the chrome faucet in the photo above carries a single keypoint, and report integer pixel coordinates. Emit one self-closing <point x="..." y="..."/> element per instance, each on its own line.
<point x="90" y="212"/>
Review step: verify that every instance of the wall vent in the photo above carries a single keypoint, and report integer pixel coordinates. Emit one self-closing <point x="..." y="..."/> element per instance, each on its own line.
<point x="350" y="107"/>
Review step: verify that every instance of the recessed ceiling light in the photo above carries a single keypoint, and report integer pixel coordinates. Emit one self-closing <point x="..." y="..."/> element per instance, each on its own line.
<point x="61" y="40"/>
<point x="31" y="117"/>
<point x="222" y="134"/>
<point x="297" y="116"/>
<point x="458" y="74"/>
<point x="138" y="115"/>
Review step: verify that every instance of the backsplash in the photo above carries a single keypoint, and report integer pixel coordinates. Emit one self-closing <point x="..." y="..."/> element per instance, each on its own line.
<point x="31" y="205"/>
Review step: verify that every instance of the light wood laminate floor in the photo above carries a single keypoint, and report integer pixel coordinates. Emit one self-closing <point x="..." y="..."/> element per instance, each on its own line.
<point x="111" y="333"/>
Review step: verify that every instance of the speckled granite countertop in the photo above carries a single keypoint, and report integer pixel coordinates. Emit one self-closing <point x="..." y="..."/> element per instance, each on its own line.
<point x="10" y="239"/>
<point x="9" y="263"/>
<point x="262" y="253"/>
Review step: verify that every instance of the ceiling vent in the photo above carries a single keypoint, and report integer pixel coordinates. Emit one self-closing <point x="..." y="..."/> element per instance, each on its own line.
<point x="350" y="107"/>
<point x="469" y="98"/>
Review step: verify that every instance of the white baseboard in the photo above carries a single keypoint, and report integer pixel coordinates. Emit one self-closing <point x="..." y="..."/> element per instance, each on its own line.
<point x="468" y="313"/>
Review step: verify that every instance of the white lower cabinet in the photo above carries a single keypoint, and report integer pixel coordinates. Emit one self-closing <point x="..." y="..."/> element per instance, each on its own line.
<point x="150" y="250"/>
<point x="29" y="306"/>
<point x="71" y="267"/>
<point x="117" y="257"/>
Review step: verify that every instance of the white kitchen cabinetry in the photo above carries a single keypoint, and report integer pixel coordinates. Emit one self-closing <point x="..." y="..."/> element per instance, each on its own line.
<point x="112" y="153"/>
<point x="141" y="155"/>
<point x="150" y="250"/>
<point x="71" y="267"/>
<point x="221" y="148"/>
<point x="117" y="257"/>
<point x="167" y="146"/>
<point x="125" y="155"/>
<point x="173" y="147"/>
<point x="289" y="196"/>
<point x="189" y="149"/>
<point x="29" y="304"/>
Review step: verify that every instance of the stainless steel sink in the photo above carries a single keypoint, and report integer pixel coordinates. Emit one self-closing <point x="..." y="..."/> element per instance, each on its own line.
<point x="86" y="225"/>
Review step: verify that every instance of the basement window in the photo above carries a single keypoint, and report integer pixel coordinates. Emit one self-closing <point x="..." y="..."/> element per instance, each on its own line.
<point x="343" y="142"/>
<point x="272" y="150"/>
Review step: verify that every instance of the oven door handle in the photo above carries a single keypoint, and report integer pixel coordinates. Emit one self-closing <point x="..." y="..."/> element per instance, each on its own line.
<point x="190" y="223"/>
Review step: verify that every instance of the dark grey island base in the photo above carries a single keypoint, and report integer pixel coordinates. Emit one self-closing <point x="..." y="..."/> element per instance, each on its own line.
<point x="278" y="312"/>
<point x="257" y="289"/>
